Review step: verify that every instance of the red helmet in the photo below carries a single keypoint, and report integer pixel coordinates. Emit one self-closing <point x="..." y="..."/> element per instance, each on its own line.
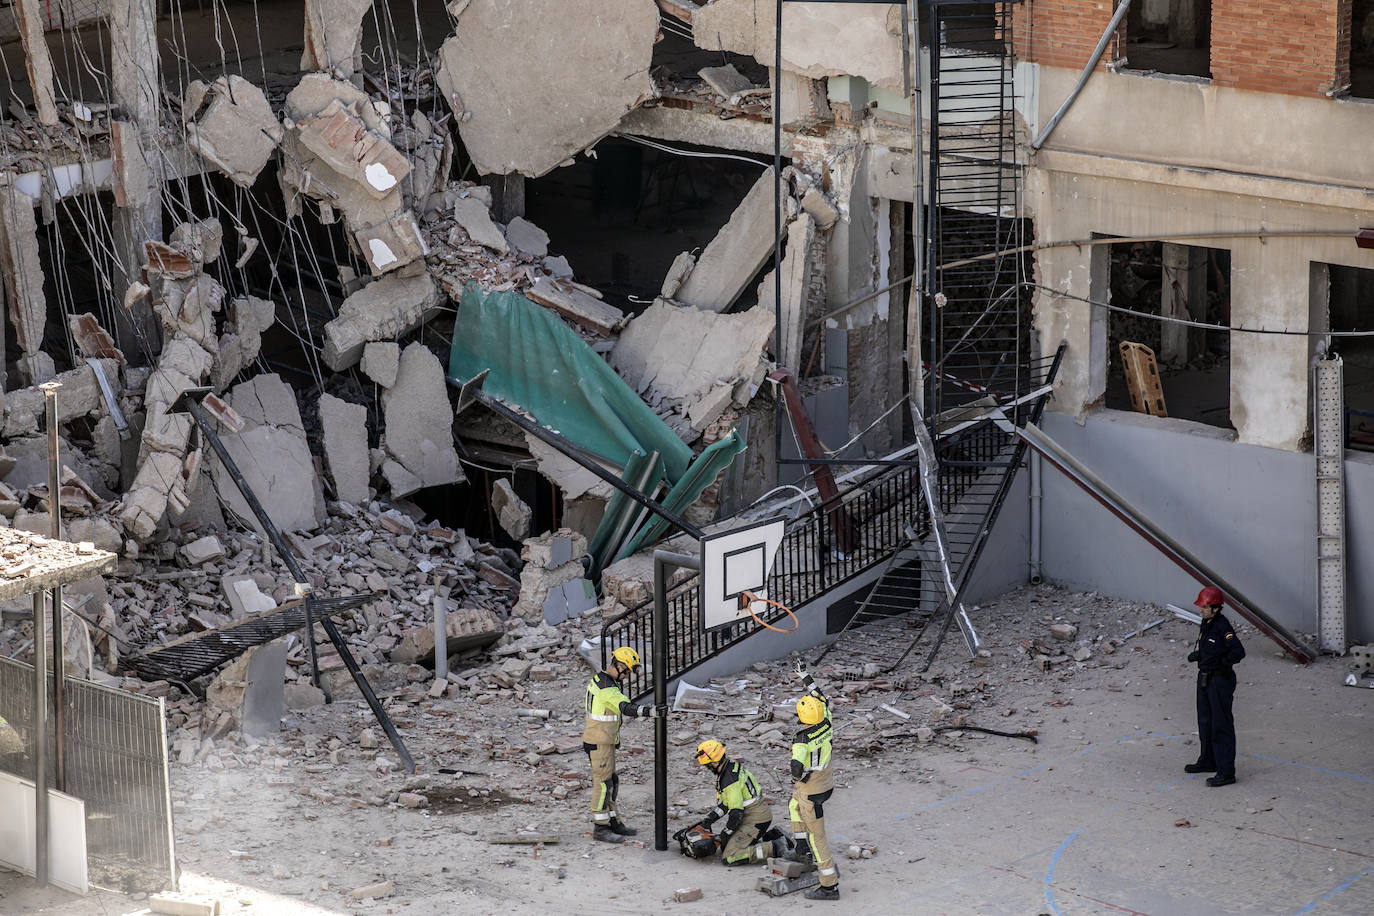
<point x="1209" y="596"/>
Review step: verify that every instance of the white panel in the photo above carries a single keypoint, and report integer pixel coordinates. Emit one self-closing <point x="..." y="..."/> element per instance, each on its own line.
<point x="730" y="563"/>
<point x="66" y="836"/>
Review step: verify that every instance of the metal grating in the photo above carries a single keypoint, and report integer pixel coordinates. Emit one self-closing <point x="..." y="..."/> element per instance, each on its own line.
<point x="199" y="653"/>
<point x="1328" y="450"/>
<point x="116" y="761"/>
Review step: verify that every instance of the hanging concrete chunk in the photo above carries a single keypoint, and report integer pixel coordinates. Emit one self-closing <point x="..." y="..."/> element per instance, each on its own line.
<point x="231" y="125"/>
<point x="539" y="82"/>
<point x="419" y="419"/>
<point x="343" y="141"/>
<point x="249" y="317"/>
<point x="512" y="513"/>
<point x="392" y="243"/>
<point x="725" y="80"/>
<point x="383" y="310"/>
<point x="22" y="270"/>
<point x="344" y="428"/>
<point x="735" y="255"/>
<point x="332" y="32"/>
<point x="819" y="39"/>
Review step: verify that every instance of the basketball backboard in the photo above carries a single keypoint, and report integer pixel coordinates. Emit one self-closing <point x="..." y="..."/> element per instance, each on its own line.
<point x="735" y="562"/>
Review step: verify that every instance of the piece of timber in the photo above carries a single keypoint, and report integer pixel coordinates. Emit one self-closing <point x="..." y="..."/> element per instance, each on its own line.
<point x="524" y="839"/>
<point x="846" y="532"/>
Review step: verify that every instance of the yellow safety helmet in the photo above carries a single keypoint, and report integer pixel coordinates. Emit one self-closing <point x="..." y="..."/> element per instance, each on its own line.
<point x="710" y="751"/>
<point x="810" y="710"/>
<point x="627" y="657"/>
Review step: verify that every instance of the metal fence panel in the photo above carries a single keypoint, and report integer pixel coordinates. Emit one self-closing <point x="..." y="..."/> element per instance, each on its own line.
<point x="116" y="755"/>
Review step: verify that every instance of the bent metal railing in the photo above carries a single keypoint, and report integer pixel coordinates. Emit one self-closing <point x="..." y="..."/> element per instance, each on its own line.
<point x="887" y="508"/>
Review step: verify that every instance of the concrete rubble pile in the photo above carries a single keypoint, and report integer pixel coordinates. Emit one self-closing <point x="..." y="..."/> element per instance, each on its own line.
<point x="334" y="463"/>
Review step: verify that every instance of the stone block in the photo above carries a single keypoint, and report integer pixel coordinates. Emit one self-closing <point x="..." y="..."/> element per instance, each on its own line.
<point x="381" y="360"/>
<point x="344" y="435"/>
<point x="419" y="419"/>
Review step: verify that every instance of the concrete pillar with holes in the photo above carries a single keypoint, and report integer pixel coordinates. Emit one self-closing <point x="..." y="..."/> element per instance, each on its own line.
<point x="1183" y="294"/>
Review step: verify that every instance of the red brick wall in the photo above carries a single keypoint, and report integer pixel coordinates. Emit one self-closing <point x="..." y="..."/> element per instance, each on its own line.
<point x="1063" y="33"/>
<point x="1298" y="47"/>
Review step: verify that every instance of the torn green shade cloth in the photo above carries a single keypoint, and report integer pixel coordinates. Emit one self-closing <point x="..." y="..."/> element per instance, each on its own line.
<point x="703" y="472"/>
<point x="644" y="473"/>
<point x="540" y="365"/>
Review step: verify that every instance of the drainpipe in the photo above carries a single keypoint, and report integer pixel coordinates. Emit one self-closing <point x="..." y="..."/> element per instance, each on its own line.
<point x="1083" y="77"/>
<point x="1036" y="501"/>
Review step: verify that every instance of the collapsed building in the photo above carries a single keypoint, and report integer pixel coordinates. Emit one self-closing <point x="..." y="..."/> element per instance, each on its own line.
<point x="486" y="297"/>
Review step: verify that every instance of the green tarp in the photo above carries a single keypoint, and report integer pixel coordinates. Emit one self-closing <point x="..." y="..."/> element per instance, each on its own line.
<point x="538" y="364"/>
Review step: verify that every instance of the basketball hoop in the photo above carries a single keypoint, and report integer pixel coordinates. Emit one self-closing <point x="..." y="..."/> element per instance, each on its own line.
<point x="748" y="599"/>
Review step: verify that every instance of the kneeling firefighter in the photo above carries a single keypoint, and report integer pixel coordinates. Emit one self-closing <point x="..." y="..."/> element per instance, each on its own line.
<point x="749" y="836"/>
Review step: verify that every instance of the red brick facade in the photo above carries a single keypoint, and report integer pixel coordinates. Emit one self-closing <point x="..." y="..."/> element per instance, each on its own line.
<point x="1297" y="47"/>
<point x="1063" y="33"/>
<point x="1281" y="46"/>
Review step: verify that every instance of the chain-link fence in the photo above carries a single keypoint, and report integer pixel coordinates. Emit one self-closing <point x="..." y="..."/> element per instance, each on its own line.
<point x="116" y="762"/>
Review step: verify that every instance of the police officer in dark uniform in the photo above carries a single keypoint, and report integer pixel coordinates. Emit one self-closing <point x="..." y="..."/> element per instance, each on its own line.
<point x="1218" y="650"/>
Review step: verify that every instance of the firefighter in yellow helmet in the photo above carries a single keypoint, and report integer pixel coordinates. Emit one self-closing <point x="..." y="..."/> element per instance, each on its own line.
<point x="601" y="736"/>
<point x="749" y="836"/>
<point x="814" y="783"/>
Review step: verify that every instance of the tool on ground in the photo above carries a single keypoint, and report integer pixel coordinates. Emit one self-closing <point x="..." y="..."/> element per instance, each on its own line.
<point x="696" y="842"/>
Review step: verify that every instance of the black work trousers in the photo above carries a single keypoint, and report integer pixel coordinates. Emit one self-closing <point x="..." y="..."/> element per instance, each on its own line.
<point x="1216" y="727"/>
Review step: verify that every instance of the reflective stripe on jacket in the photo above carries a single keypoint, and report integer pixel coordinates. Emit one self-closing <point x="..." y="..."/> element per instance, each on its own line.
<point x="604" y="701"/>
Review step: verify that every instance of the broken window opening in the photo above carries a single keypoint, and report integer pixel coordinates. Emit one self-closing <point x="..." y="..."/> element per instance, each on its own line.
<point x="1193" y="364"/>
<point x="1170" y="36"/>
<point x="1349" y="306"/>
<point x="622" y="217"/>
<point x="1362" y="49"/>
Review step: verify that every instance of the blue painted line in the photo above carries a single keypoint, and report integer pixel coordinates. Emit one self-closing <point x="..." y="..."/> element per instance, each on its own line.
<point x="1308" y="766"/>
<point x="1331" y="893"/>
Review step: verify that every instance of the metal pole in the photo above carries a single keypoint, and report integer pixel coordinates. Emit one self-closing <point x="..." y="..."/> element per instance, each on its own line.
<point x="40" y="745"/>
<point x="662" y="560"/>
<point x="440" y="637"/>
<point x="189" y="401"/>
<point x="915" y="302"/>
<point x="777" y="224"/>
<point x="55" y="532"/>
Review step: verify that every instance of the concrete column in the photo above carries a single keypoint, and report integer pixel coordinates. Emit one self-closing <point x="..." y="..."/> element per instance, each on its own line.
<point x="1183" y="294"/>
<point x="1269" y="372"/>
<point x="507" y="196"/>
<point x="136" y="84"/>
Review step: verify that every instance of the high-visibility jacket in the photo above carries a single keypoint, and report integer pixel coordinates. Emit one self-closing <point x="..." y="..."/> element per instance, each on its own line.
<point x="605" y="705"/>
<point x="736" y="790"/>
<point x="811" y="752"/>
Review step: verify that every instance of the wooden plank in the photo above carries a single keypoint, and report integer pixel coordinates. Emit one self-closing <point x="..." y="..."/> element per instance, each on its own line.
<point x="524" y="839"/>
<point x="1142" y="379"/>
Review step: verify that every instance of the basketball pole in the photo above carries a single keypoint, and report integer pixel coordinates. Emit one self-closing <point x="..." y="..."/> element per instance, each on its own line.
<point x="662" y="560"/>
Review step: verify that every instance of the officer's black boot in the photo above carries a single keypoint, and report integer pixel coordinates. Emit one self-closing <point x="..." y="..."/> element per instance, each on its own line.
<point x="606" y="834"/>
<point x="1200" y="767"/>
<point x="821" y="892"/>
<point x="620" y="827"/>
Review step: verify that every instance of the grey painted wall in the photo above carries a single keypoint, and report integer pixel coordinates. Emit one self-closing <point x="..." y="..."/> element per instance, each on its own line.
<point x="1248" y="512"/>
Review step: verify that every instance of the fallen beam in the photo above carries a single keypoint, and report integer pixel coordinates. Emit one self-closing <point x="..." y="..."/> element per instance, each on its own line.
<point x="524" y="839"/>
<point x="1098" y="489"/>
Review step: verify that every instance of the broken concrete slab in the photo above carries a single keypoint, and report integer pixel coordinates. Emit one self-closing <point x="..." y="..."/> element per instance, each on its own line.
<point x="568" y="300"/>
<point x="381" y="359"/>
<point x="333" y="30"/>
<point x="79" y="396"/>
<point x="419" y="419"/>
<point x="344" y="435"/>
<point x="400" y="481"/>
<point x="734" y="257"/>
<point x="527" y="237"/>
<point x="725" y="80"/>
<point x="244" y="597"/>
<point x="341" y="140"/>
<point x="201" y="551"/>
<point x="819" y="39"/>
<point x="265" y="400"/>
<point x="92" y="340"/>
<point x="512" y="513"/>
<point x="677" y="274"/>
<point x="690" y="357"/>
<point x="249" y="317"/>
<point x="383" y="310"/>
<point x="526" y="121"/>
<point x="22" y="269"/>
<point x="475" y="218"/>
<point x="231" y="125"/>
<point x="821" y="209"/>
